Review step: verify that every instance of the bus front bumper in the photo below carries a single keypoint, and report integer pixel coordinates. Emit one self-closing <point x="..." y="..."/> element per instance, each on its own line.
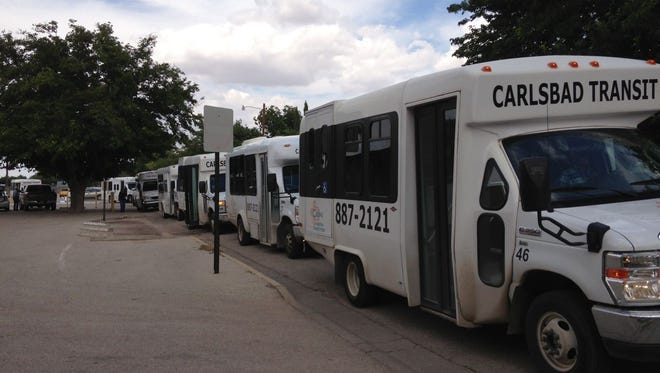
<point x="629" y="334"/>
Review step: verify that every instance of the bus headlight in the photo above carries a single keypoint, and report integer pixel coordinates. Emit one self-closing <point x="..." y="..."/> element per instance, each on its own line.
<point x="221" y="206"/>
<point x="634" y="278"/>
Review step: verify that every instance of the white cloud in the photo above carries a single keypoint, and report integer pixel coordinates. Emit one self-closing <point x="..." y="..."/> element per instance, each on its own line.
<point x="274" y="51"/>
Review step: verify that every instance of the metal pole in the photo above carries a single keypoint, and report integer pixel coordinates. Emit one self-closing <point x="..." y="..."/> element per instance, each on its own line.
<point x="263" y="120"/>
<point x="105" y="185"/>
<point x="216" y="216"/>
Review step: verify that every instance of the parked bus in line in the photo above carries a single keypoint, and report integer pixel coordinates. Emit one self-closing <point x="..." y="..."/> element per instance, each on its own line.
<point x="521" y="191"/>
<point x="168" y="202"/>
<point x="22" y="183"/>
<point x="263" y="194"/>
<point x="146" y="192"/>
<point x="113" y="186"/>
<point x="196" y="189"/>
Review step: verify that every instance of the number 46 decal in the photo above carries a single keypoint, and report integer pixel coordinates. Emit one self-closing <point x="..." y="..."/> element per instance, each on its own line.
<point x="522" y="254"/>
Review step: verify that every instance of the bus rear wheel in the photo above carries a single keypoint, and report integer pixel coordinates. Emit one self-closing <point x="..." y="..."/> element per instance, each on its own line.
<point x="359" y="293"/>
<point x="561" y="335"/>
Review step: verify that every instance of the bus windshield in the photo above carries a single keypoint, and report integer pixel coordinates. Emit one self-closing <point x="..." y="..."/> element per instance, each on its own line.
<point x="593" y="166"/>
<point x="149" y="185"/>
<point x="222" y="183"/>
<point x="290" y="176"/>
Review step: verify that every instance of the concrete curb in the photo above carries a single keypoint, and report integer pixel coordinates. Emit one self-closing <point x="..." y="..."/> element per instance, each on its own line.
<point x="283" y="291"/>
<point x="96" y="227"/>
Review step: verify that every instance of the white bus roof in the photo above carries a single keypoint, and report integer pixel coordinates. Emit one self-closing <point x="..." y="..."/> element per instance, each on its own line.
<point x="146" y="175"/>
<point x="516" y="89"/>
<point x="280" y="148"/>
<point x="205" y="161"/>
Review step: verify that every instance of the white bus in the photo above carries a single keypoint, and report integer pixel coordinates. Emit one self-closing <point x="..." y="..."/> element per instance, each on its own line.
<point x="113" y="186"/>
<point x="196" y="189"/>
<point x="263" y="193"/>
<point x="21" y="183"/>
<point x="168" y="201"/>
<point x="146" y="196"/>
<point x="522" y="191"/>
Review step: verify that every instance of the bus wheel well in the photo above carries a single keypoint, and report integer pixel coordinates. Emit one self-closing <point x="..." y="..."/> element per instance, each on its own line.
<point x="281" y="231"/>
<point x="340" y="266"/>
<point x="534" y="284"/>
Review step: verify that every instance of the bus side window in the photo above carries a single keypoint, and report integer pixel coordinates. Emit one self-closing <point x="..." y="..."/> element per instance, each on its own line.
<point x="237" y="175"/>
<point x="251" y="175"/>
<point x="494" y="189"/>
<point x="380" y="158"/>
<point x="352" y="159"/>
<point x="490" y="226"/>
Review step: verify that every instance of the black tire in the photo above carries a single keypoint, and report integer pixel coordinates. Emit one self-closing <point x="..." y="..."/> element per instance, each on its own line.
<point x="561" y="335"/>
<point x="243" y="236"/>
<point x="359" y="293"/>
<point x="211" y="222"/>
<point x="292" y="246"/>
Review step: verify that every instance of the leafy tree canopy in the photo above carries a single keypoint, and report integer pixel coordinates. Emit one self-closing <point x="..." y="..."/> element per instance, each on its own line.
<point x="86" y="106"/>
<point x="242" y="133"/>
<point x="280" y="122"/>
<point x="520" y="28"/>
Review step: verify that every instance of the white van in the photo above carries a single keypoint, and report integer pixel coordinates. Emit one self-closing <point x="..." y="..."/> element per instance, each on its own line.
<point x="168" y="201"/>
<point x="196" y="188"/>
<point x="147" y="190"/>
<point x="522" y="191"/>
<point x="262" y="200"/>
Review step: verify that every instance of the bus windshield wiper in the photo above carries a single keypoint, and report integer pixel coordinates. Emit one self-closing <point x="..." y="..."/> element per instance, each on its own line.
<point x="573" y="189"/>
<point x="647" y="182"/>
<point x="585" y="188"/>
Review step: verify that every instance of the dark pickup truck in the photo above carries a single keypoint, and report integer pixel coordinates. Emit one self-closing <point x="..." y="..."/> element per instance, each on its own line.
<point x="37" y="195"/>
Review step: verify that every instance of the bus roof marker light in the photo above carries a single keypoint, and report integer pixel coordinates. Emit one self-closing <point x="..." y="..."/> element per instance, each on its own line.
<point x="552" y="65"/>
<point x="573" y="64"/>
<point x="486" y="69"/>
<point x="651" y="62"/>
<point x="594" y="63"/>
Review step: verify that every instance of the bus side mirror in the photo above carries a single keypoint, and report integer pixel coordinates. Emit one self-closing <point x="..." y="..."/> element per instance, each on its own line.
<point x="271" y="181"/>
<point x="534" y="184"/>
<point x="202" y="187"/>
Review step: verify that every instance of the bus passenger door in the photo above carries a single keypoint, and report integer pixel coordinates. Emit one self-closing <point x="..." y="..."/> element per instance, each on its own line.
<point x="191" y="194"/>
<point x="264" y="200"/>
<point x="435" y="126"/>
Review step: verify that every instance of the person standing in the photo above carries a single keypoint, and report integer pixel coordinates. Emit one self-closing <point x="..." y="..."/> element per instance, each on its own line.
<point x="122" y="199"/>
<point x="15" y="196"/>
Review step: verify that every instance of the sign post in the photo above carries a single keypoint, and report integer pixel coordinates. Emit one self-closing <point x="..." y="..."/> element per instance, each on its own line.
<point x="218" y="137"/>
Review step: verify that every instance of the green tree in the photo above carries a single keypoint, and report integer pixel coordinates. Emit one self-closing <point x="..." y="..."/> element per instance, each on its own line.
<point x="85" y="107"/>
<point x="242" y="133"/>
<point x="520" y="28"/>
<point x="280" y="122"/>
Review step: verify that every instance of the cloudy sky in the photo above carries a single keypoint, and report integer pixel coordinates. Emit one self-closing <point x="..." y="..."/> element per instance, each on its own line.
<point x="277" y="52"/>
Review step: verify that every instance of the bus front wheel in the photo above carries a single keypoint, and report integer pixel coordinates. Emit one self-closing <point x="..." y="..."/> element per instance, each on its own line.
<point x="243" y="236"/>
<point x="292" y="246"/>
<point x="359" y="293"/>
<point x="561" y="335"/>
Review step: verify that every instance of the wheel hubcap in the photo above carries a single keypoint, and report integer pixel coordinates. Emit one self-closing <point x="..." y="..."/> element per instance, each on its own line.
<point x="352" y="279"/>
<point x="557" y="341"/>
